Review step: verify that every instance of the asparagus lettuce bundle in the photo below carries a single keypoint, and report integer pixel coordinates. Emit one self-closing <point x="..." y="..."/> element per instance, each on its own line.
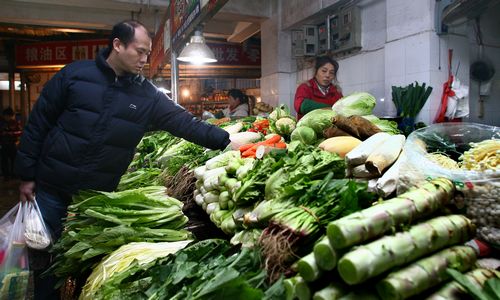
<point x="322" y="259"/>
<point x="333" y="291"/>
<point x="377" y="220"/>
<point x="372" y="259"/>
<point x="454" y="291"/>
<point x="325" y="255"/>
<point x="308" y="268"/>
<point x="425" y="273"/>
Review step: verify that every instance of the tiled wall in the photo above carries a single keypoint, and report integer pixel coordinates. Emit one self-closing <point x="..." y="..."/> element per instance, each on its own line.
<point x="400" y="46"/>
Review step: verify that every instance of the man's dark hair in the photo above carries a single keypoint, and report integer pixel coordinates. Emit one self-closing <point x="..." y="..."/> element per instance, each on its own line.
<point x="8" y="111"/>
<point x="323" y="60"/>
<point x="125" y="32"/>
<point x="238" y="94"/>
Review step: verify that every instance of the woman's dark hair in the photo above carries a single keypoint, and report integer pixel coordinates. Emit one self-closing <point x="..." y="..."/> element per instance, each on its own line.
<point x="238" y="94"/>
<point x="323" y="60"/>
<point x="125" y="32"/>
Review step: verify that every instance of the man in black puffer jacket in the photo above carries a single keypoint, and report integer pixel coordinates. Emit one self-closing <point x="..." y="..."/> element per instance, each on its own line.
<point x="89" y="118"/>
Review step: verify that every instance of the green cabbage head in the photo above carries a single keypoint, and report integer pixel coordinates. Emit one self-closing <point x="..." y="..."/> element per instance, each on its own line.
<point x="318" y="120"/>
<point x="304" y="134"/>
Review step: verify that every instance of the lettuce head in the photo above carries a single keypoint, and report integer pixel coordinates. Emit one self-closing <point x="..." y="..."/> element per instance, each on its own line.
<point x="359" y="104"/>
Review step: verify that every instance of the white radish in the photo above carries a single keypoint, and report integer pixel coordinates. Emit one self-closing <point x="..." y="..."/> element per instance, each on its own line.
<point x="235" y="128"/>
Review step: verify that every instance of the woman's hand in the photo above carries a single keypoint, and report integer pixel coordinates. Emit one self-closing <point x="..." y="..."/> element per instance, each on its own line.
<point x="27" y="191"/>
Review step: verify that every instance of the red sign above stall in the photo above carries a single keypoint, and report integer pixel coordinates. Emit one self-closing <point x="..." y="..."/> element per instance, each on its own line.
<point x="57" y="53"/>
<point x="236" y="54"/>
<point x="158" y="50"/>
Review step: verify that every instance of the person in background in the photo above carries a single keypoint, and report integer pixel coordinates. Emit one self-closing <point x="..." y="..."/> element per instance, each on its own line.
<point x="321" y="91"/>
<point x="10" y="131"/>
<point x="238" y="104"/>
<point x="85" y="126"/>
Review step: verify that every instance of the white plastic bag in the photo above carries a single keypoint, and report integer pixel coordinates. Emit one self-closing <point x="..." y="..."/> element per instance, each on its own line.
<point x="36" y="233"/>
<point x="478" y="193"/>
<point x="14" y="267"/>
<point x="6" y="223"/>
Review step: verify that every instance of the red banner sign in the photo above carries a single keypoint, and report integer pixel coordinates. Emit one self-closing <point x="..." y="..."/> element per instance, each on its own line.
<point x="57" y="53"/>
<point x="236" y="54"/>
<point x="157" y="51"/>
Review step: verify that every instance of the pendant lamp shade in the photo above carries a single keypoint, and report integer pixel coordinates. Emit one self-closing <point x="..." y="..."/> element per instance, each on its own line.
<point x="196" y="51"/>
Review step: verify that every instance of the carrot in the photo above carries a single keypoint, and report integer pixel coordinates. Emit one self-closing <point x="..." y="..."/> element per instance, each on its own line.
<point x="279" y="145"/>
<point x="274" y="139"/>
<point x="245" y="147"/>
<point x="249" y="151"/>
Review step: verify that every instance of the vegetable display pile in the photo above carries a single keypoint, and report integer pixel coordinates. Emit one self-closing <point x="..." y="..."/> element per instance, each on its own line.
<point x="365" y="251"/>
<point x="209" y="269"/>
<point x="121" y="261"/>
<point x="296" y="205"/>
<point x="100" y="222"/>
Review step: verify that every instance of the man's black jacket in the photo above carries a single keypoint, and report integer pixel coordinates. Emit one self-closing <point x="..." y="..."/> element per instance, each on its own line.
<point x="85" y="126"/>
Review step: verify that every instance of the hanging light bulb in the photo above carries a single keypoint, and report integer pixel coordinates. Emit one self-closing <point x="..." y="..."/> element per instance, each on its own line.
<point x="196" y="51"/>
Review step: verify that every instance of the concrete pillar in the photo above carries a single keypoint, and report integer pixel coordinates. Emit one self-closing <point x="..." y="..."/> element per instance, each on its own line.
<point x="278" y="67"/>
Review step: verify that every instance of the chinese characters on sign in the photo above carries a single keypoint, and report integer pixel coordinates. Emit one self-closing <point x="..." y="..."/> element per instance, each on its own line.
<point x="57" y="53"/>
<point x="236" y="54"/>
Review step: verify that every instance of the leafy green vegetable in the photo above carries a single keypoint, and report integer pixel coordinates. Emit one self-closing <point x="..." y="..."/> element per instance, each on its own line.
<point x="384" y="125"/>
<point x="323" y="201"/>
<point x="358" y="104"/>
<point x="151" y="147"/>
<point x="492" y="287"/>
<point x="139" y="178"/>
<point x="490" y="291"/>
<point x="318" y="120"/>
<point x="209" y="269"/>
<point x="100" y="222"/>
<point x="253" y="184"/>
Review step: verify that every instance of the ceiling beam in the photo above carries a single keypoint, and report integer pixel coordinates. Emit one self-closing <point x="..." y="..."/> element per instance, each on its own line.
<point x="243" y="31"/>
<point x="24" y="13"/>
<point x="117" y="5"/>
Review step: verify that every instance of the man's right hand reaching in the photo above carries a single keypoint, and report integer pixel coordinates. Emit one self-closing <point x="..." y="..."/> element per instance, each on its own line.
<point x="27" y="191"/>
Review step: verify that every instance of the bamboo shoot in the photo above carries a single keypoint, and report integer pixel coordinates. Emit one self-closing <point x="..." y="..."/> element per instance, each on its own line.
<point x="385" y="155"/>
<point x="360" y="153"/>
